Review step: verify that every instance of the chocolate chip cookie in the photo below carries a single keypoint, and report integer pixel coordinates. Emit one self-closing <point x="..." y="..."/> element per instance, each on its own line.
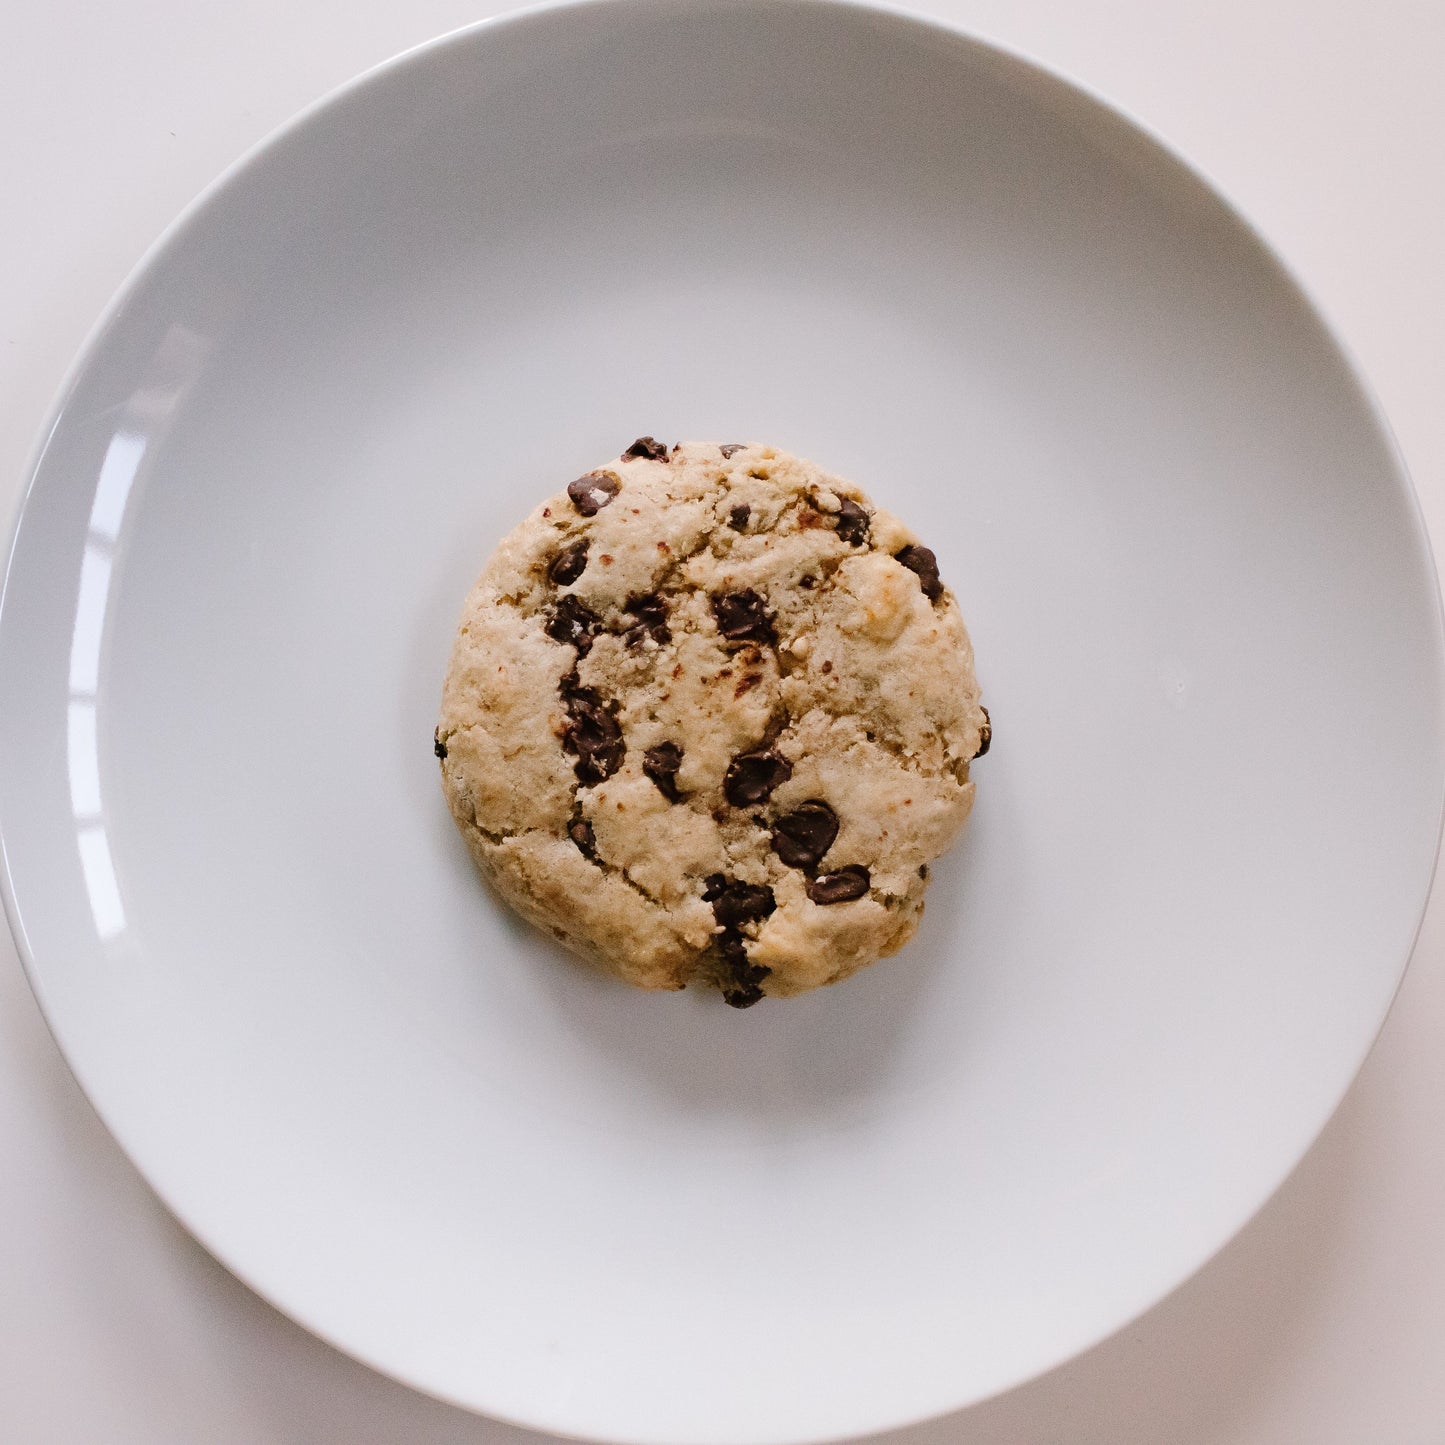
<point x="709" y="718"/>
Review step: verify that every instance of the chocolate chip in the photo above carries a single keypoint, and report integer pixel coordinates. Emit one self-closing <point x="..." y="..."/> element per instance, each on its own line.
<point x="437" y="745"/>
<point x="569" y="564"/>
<point x="841" y="887"/>
<point x="572" y="621"/>
<point x="852" y="522"/>
<point x="651" y="615"/>
<point x="648" y="447"/>
<point x="735" y="903"/>
<point x="985" y="734"/>
<point x="802" y="837"/>
<point x="738" y="517"/>
<point x="728" y="448"/>
<point x="751" y="777"/>
<point x="594" y="736"/>
<point x="742" y="980"/>
<point x="594" y="491"/>
<point x="579" y="830"/>
<point x="921" y="560"/>
<point x="742" y="617"/>
<point x="807" y="583"/>
<point x="661" y="764"/>
<point x="745" y="993"/>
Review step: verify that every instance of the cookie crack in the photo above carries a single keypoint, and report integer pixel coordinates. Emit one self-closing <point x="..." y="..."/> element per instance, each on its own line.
<point x="496" y="839"/>
<point x="619" y="872"/>
<point x="607" y="867"/>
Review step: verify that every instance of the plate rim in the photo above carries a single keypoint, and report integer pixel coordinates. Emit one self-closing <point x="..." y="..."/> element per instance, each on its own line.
<point x="995" y="51"/>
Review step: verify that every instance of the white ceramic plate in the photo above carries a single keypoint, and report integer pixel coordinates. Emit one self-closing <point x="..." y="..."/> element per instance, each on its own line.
<point x="1207" y="628"/>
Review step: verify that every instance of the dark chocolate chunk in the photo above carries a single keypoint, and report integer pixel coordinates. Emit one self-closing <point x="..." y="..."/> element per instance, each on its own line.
<point x="728" y="448"/>
<point x="742" y="617"/>
<point x="569" y="564"/>
<point x="922" y="561"/>
<point x="841" y="887"/>
<point x="802" y="837"/>
<point x="745" y="992"/>
<point x="594" y="736"/>
<point x="751" y="777"/>
<point x="735" y="903"/>
<point x="572" y="621"/>
<point x="651" y="615"/>
<point x="738" y="517"/>
<point x="661" y="764"/>
<point x="648" y="447"/>
<point x="852" y="522"/>
<point x="594" y="491"/>
<point x="741" y="982"/>
<point x="579" y="830"/>
<point x="985" y="734"/>
<point x="437" y="745"/>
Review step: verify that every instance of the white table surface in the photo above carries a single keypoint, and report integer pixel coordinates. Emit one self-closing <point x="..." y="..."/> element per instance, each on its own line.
<point x="1324" y="1322"/>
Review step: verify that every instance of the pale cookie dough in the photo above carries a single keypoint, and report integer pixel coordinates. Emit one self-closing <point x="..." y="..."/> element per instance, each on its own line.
<point x="709" y="718"/>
